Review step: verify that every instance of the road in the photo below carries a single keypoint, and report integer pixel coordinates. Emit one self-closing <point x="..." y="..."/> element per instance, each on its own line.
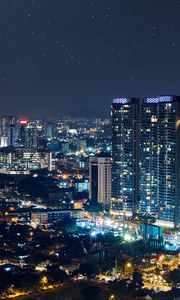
<point x="156" y="287"/>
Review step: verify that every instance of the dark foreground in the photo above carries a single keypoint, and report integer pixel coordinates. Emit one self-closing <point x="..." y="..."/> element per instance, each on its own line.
<point x="91" y="291"/>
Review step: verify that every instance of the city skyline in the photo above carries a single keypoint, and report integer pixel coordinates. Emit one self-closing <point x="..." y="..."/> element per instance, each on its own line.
<point x="51" y="67"/>
<point x="89" y="149"/>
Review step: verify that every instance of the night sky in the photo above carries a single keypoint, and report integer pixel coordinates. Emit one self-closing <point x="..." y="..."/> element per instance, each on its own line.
<point x="73" y="56"/>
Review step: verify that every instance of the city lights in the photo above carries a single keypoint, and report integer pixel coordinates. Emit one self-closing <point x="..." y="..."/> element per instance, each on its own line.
<point x="89" y="164"/>
<point x="127" y="237"/>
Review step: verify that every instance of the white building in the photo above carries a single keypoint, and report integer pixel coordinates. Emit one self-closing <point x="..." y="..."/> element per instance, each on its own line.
<point x="45" y="216"/>
<point x="100" y="179"/>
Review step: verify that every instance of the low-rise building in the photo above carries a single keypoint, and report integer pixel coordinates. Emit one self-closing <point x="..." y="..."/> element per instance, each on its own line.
<point x="43" y="216"/>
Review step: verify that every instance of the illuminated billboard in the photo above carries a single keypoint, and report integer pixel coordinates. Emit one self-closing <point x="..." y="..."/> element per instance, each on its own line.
<point x="23" y="122"/>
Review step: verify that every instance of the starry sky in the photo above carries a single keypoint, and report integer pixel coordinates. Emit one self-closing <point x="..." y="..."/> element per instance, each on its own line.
<point x="74" y="56"/>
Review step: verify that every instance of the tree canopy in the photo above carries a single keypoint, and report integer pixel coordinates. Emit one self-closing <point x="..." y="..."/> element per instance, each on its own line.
<point x="174" y="277"/>
<point x="92" y="206"/>
<point x="89" y="269"/>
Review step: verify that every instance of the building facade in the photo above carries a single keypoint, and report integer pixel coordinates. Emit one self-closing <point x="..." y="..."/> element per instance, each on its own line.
<point x="100" y="179"/>
<point x="5" y="123"/>
<point x="23" y="160"/>
<point x="125" y="167"/>
<point x="146" y="157"/>
<point x="40" y="217"/>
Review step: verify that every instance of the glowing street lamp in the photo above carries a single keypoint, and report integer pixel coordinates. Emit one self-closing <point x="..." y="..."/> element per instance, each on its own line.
<point x="44" y="281"/>
<point x="128" y="269"/>
<point x="128" y="265"/>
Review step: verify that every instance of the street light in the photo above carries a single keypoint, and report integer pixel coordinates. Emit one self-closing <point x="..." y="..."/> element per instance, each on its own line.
<point x="112" y="297"/>
<point x="44" y="280"/>
<point x="128" y="268"/>
<point x="128" y="265"/>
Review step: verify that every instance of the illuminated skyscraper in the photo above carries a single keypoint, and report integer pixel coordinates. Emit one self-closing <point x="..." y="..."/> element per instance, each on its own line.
<point x="27" y="134"/>
<point x="146" y="157"/>
<point x="5" y="123"/>
<point x="160" y="158"/>
<point x="125" y="167"/>
<point x="22" y="135"/>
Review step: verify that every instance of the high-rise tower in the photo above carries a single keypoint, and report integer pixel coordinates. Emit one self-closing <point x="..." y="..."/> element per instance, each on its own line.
<point x="146" y="157"/>
<point x="159" y="180"/>
<point x="100" y="179"/>
<point x="125" y="167"/>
